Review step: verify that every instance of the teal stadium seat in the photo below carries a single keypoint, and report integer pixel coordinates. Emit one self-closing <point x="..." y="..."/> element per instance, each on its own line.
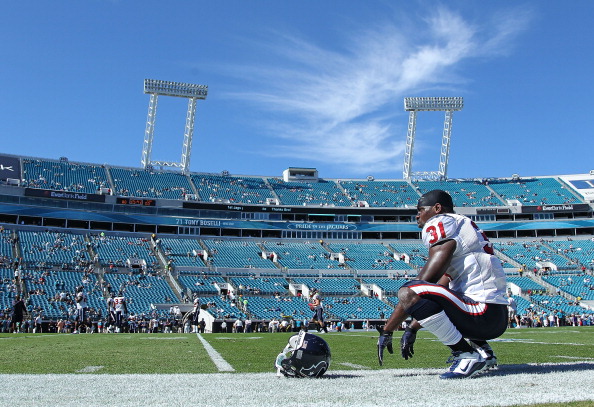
<point x="260" y="285"/>
<point x="237" y="254"/>
<point x="201" y="285"/>
<point x="116" y="250"/>
<point x="389" y="286"/>
<point x="150" y="184"/>
<point x="368" y="256"/>
<point x="555" y="303"/>
<point x="321" y="193"/>
<point x="464" y="193"/>
<point x="530" y="253"/>
<point x="302" y="255"/>
<point x="356" y="308"/>
<point x="331" y="286"/>
<point x="396" y="194"/>
<point x="232" y="189"/>
<point x="575" y="285"/>
<point x="580" y="251"/>
<point x="534" y="191"/>
<point x="223" y="309"/>
<point x="267" y="308"/>
<point x="181" y="251"/>
<point x="526" y="284"/>
<point x="141" y="291"/>
<point x="53" y="248"/>
<point x="64" y="176"/>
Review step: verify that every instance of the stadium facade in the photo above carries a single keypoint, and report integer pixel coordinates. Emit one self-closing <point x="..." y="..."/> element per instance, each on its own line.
<point x="165" y="237"/>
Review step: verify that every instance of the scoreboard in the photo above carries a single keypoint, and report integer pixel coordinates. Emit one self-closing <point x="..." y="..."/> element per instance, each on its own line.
<point x="135" y="201"/>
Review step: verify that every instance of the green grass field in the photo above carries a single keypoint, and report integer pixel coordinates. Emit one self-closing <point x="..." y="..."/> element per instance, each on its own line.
<point x="251" y="353"/>
<point x="107" y="355"/>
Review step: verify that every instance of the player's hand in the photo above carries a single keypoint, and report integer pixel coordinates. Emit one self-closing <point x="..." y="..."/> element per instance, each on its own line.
<point x="384" y="341"/>
<point x="407" y="342"/>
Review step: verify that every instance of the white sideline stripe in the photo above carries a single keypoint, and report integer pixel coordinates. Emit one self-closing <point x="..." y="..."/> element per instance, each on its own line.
<point x="531" y="341"/>
<point x="215" y="356"/>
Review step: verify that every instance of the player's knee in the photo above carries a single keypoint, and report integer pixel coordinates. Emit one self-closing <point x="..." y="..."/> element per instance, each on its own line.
<point x="407" y="297"/>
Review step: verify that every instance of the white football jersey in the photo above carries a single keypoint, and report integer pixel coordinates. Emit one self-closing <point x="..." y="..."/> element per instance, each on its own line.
<point x="474" y="271"/>
<point x="119" y="304"/>
<point x="110" y="304"/>
<point x="315" y="297"/>
<point x="81" y="301"/>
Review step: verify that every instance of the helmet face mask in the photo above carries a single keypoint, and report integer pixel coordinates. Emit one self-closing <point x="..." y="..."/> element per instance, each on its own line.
<point x="306" y="355"/>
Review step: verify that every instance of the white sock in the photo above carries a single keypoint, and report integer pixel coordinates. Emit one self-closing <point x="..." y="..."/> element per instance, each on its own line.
<point x="440" y="325"/>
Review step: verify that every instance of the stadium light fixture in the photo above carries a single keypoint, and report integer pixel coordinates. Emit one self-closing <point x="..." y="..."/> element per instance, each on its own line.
<point x="429" y="104"/>
<point x="433" y="104"/>
<point x="157" y="88"/>
<point x="178" y="89"/>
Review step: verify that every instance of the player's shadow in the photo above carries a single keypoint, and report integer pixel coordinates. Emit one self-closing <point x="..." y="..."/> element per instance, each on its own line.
<point x="340" y="376"/>
<point x="506" y="370"/>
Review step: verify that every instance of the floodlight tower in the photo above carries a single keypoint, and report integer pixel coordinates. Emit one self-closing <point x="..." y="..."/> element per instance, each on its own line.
<point x="430" y="104"/>
<point x="158" y="88"/>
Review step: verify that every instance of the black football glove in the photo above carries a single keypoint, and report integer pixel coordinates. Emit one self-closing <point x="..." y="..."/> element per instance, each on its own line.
<point x="384" y="341"/>
<point x="407" y="342"/>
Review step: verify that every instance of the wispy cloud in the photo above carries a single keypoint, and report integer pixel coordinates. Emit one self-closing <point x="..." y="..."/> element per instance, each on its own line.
<point x="339" y="105"/>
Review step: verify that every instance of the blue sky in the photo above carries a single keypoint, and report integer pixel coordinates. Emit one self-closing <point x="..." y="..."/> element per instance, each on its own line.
<point x="303" y="83"/>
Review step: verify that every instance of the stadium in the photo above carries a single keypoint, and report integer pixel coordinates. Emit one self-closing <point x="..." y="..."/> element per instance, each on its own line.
<point x="254" y="247"/>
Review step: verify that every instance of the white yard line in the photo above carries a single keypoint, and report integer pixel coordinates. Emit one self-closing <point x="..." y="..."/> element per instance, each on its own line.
<point x="215" y="356"/>
<point x="353" y="365"/>
<point x="573" y="357"/>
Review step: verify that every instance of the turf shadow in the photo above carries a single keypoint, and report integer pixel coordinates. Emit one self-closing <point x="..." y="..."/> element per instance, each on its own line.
<point x="506" y="370"/>
<point x="340" y="376"/>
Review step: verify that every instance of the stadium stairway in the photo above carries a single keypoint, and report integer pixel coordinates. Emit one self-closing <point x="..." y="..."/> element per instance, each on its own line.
<point x="168" y="269"/>
<point x="275" y="262"/>
<point x="206" y="250"/>
<point x="344" y="191"/>
<point x="271" y="189"/>
<point x="174" y="285"/>
<point x="502" y="256"/>
<point x="110" y="180"/>
<point x="552" y="289"/>
<point x="347" y="266"/>
<point x="193" y="186"/>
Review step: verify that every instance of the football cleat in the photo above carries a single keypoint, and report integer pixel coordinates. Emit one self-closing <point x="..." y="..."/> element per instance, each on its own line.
<point x="487" y="353"/>
<point x="464" y="364"/>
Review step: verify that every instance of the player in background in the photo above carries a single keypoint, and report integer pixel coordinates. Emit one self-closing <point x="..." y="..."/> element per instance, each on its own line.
<point x="81" y="310"/>
<point x="196" y="316"/>
<point x="459" y="293"/>
<point x="317" y="307"/>
<point x="110" y="313"/>
<point x="18" y="311"/>
<point x="121" y="309"/>
<point x="512" y="310"/>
